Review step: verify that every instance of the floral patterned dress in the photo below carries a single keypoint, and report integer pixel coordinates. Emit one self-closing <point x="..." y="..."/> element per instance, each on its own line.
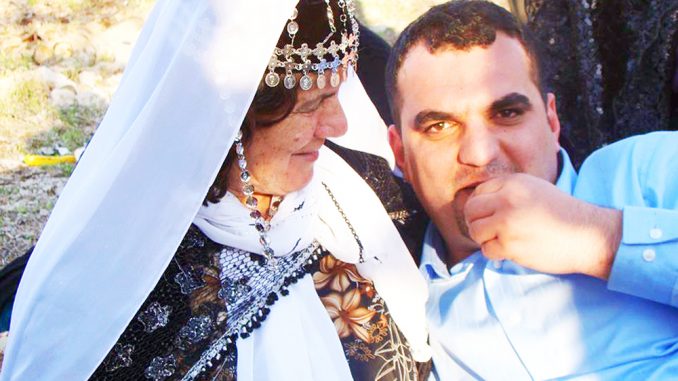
<point x="374" y="347"/>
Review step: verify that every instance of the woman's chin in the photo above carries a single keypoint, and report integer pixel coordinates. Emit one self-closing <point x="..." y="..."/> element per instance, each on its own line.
<point x="300" y="180"/>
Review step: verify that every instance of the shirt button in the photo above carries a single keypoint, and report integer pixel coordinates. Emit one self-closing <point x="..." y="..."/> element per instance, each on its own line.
<point x="656" y="233"/>
<point x="649" y="255"/>
<point x="497" y="264"/>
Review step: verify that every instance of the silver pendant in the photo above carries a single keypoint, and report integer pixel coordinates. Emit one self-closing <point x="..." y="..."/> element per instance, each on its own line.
<point x="272" y="79"/>
<point x="306" y="82"/>
<point x="289" y="81"/>
<point x="321" y="81"/>
<point x="335" y="79"/>
<point x="292" y="28"/>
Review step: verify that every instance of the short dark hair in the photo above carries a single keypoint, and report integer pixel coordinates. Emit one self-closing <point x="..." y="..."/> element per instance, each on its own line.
<point x="458" y="25"/>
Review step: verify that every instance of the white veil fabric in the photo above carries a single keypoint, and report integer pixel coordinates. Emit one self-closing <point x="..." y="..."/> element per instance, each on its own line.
<point x="142" y="180"/>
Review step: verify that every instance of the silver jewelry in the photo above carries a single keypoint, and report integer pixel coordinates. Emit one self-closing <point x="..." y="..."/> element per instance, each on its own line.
<point x="293" y="59"/>
<point x="348" y="223"/>
<point x="251" y="202"/>
<point x="250" y="291"/>
<point x="260" y="223"/>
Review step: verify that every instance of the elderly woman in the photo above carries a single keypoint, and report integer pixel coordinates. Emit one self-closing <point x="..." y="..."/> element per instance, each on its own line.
<point x="159" y="262"/>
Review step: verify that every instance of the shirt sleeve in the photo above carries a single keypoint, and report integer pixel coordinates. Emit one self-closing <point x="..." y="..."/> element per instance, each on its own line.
<point x="639" y="176"/>
<point x="646" y="264"/>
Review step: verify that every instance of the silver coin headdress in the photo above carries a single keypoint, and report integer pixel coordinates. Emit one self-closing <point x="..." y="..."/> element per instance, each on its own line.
<point x="324" y="58"/>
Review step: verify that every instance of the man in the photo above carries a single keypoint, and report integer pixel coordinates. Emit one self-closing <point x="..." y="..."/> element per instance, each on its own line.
<point x="477" y="138"/>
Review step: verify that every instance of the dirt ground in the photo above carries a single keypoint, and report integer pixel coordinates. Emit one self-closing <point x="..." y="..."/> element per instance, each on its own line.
<point x="60" y="62"/>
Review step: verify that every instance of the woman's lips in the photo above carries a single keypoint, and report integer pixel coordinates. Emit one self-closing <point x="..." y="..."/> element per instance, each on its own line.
<point x="309" y="156"/>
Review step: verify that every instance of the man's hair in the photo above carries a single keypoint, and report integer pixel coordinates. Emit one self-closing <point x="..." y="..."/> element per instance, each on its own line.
<point x="457" y="25"/>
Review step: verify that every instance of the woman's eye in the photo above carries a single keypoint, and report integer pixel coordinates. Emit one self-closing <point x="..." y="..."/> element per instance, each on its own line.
<point x="307" y="109"/>
<point x="313" y="107"/>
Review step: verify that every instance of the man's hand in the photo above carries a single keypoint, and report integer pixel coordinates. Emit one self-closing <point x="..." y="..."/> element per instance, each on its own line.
<point x="531" y="222"/>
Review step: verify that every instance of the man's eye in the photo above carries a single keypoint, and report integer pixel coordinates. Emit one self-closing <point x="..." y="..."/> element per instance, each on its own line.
<point x="438" y="127"/>
<point x="509" y="113"/>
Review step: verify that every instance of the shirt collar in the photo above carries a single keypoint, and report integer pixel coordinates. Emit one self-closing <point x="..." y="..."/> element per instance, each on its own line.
<point x="432" y="265"/>
<point x="434" y="250"/>
<point x="568" y="175"/>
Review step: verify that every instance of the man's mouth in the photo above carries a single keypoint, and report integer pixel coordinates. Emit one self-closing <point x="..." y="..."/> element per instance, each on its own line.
<point x="470" y="187"/>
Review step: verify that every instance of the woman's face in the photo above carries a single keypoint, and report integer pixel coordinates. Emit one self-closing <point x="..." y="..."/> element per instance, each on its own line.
<point x="280" y="158"/>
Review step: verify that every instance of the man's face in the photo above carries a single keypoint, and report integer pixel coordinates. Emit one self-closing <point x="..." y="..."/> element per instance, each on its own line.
<point x="466" y="117"/>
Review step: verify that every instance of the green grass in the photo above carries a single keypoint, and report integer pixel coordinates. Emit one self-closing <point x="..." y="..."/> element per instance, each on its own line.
<point x="80" y="116"/>
<point x="76" y="6"/>
<point x="29" y="96"/>
<point x="73" y="71"/>
<point x="65" y="170"/>
<point x="77" y="123"/>
<point x="10" y="63"/>
<point x="8" y="190"/>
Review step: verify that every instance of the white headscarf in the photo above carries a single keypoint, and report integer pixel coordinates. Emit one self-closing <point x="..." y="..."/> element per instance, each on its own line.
<point x="141" y="182"/>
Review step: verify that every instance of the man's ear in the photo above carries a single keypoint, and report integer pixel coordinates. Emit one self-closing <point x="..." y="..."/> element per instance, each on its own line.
<point x="552" y="115"/>
<point x="395" y="140"/>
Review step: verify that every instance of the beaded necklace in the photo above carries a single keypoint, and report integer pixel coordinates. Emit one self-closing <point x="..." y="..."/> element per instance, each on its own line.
<point x="262" y="225"/>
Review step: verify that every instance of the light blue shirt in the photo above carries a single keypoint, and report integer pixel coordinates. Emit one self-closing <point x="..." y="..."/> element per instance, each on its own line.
<point x="640" y="176"/>
<point x="496" y="320"/>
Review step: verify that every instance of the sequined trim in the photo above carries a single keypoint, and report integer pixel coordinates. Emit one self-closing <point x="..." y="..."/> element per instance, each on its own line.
<point x="122" y="357"/>
<point x="188" y="281"/>
<point x="196" y="330"/>
<point x="154" y="317"/>
<point x="249" y="290"/>
<point x="161" y="368"/>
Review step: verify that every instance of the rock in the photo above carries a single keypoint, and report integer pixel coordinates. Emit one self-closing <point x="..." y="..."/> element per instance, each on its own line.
<point x="63" y="97"/>
<point x="91" y="99"/>
<point x="107" y="69"/>
<point x="78" y="153"/>
<point x="62" y="51"/>
<point x="118" y="40"/>
<point x="87" y="57"/>
<point x="47" y="151"/>
<point x="62" y="150"/>
<point x="42" y="53"/>
<point x="89" y="78"/>
<point x="54" y="80"/>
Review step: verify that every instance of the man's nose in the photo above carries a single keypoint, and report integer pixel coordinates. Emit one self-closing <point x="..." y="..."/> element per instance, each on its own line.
<point x="332" y="121"/>
<point x="479" y="145"/>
